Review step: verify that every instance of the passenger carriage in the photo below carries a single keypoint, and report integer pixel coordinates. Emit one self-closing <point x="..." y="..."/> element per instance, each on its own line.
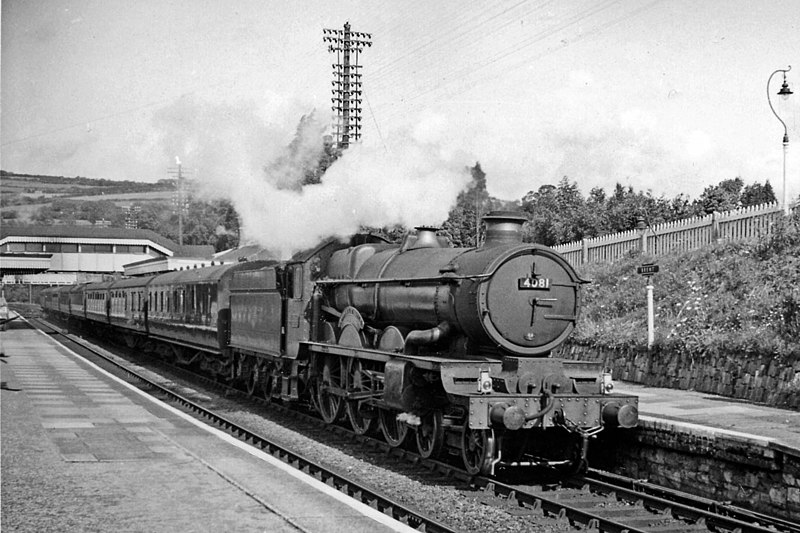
<point x="77" y="302"/>
<point x="97" y="302"/>
<point x="185" y="308"/>
<point x="127" y="303"/>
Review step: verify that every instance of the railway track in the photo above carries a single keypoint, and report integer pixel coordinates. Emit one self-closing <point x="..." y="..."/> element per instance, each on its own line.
<point x="599" y="501"/>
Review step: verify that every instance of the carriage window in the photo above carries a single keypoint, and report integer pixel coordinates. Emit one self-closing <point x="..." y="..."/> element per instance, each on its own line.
<point x="204" y="299"/>
<point x="212" y="298"/>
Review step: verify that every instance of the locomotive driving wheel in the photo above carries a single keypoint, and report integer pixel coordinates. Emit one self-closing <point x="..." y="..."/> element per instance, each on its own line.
<point x="393" y="430"/>
<point x="250" y="373"/>
<point x="430" y="434"/>
<point x="477" y="450"/>
<point x="331" y="376"/>
<point x="356" y="383"/>
<point x="265" y="371"/>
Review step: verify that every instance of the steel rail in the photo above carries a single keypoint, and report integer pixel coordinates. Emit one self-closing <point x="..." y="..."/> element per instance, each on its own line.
<point x="705" y="508"/>
<point x="683" y="507"/>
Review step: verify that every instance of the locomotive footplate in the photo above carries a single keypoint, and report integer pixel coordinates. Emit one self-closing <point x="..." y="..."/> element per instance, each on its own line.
<point x="514" y="411"/>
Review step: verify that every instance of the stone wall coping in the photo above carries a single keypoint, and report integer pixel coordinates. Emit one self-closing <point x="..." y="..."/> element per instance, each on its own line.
<point x="769" y="444"/>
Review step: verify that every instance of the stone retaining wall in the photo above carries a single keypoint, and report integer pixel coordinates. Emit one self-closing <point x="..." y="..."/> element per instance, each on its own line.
<point x="757" y="378"/>
<point x="761" y="476"/>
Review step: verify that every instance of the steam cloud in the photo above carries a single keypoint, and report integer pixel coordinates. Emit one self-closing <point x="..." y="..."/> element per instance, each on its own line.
<point x="242" y="157"/>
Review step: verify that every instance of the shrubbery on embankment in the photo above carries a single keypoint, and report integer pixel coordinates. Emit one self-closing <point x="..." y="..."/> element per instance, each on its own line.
<point x="727" y="319"/>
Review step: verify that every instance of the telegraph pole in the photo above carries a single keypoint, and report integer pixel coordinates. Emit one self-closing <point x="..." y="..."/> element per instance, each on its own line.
<point x="180" y="200"/>
<point x="346" y="82"/>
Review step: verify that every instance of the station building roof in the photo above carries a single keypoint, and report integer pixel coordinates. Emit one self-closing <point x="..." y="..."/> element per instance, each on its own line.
<point x="78" y="251"/>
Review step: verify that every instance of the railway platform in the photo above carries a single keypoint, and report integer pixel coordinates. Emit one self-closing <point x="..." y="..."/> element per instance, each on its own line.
<point x="708" y="415"/>
<point x="84" y="451"/>
<point x="720" y="448"/>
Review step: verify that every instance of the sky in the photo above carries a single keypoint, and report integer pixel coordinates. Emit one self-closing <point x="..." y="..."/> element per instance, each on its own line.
<point x="668" y="96"/>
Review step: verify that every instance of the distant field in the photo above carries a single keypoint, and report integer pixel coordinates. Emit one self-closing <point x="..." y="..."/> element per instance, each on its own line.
<point x="43" y="191"/>
<point x="20" y="184"/>
<point x="25" y="212"/>
<point x="126" y="197"/>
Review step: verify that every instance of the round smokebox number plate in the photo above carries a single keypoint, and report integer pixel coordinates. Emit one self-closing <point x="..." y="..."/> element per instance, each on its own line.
<point x="530" y="302"/>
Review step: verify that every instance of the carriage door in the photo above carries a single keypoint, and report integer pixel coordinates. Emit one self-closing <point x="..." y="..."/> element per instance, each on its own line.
<point x="296" y="327"/>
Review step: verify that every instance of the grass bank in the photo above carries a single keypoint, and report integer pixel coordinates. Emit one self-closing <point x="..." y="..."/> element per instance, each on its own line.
<point x="739" y="297"/>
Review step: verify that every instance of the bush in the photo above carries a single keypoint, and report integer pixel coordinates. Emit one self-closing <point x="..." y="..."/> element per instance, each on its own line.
<point x="730" y="297"/>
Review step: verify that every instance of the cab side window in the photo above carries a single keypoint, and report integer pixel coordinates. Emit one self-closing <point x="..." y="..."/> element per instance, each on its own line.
<point x="297" y="282"/>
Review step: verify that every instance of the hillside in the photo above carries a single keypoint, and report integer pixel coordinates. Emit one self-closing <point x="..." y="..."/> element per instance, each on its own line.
<point x="23" y="195"/>
<point x="50" y="200"/>
<point x="728" y="298"/>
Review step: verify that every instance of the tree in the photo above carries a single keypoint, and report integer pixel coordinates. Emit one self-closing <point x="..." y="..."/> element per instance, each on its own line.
<point x="722" y="197"/>
<point x="571" y="223"/>
<point x="757" y="194"/>
<point x="463" y="225"/>
<point x="541" y="208"/>
<point x="593" y="215"/>
<point x="621" y="210"/>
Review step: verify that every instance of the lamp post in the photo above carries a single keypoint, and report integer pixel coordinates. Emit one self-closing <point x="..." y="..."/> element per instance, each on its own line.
<point x="641" y="227"/>
<point x="784" y="92"/>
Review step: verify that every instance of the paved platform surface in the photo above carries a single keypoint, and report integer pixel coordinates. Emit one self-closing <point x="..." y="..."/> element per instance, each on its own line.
<point x="697" y="412"/>
<point x="83" y="451"/>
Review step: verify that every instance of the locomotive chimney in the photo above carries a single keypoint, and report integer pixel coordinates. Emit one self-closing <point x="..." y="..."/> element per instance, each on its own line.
<point x="426" y="238"/>
<point x="503" y="227"/>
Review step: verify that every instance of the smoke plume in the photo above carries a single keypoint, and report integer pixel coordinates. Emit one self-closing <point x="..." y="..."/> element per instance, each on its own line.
<point x="259" y="166"/>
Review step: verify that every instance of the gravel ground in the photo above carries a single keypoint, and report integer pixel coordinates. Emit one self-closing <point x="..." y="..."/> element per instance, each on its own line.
<point x="456" y="507"/>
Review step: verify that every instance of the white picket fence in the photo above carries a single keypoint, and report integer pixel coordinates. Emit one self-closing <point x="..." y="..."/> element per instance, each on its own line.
<point x="677" y="236"/>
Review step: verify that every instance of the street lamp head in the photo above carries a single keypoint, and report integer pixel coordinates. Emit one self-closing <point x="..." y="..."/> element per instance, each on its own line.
<point x="785" y="90"/>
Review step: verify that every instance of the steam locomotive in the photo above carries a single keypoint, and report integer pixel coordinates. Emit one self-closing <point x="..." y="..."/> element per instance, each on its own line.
<point x="445" y="348"/>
